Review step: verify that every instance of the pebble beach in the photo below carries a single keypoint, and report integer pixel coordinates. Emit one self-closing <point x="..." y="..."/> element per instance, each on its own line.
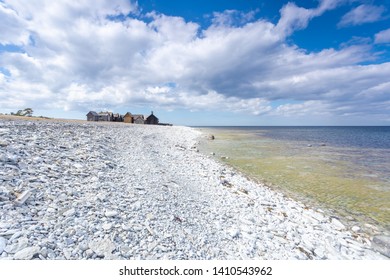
<point x="89" y="190"/>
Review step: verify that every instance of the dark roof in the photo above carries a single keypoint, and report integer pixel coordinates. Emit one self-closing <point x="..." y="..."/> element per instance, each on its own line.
<point x="92" y="113"/>
<point x="151" y="116"/>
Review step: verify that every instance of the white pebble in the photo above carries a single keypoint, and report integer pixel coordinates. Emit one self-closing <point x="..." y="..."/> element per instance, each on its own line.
<point x="27" y="253"/>
<point x="110" y="213"/>
<point x="3" y="243"/>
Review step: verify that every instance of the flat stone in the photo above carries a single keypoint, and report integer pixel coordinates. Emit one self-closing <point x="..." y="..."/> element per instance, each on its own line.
<point x="320" y="252"/>
<point x="4" y="131"/>
<point x="111" y="213"/>
<point x="62" y="197"/>
<point x="101" y="197"/>
<point x="3" y="243"/>
<point x="51" y="210"/>
<point x="27" y="253"/>
<point x="355" y="229"/>
<point x="3" y="144"/>
<point x="89" y="253"/>
<point x="69" y="241"/>
<point x="107" y="226"/>
<point x="150" y="216"/>
<point x="83" y="246"/>
<point x="307" y="241"/>
<point x="126" y="227"/>
<point x="51" y="256"/>
<point x="381" y="244"/>
<point x="337" y="224"/>
<point x="18" y="246"/>
<point x="136" y="206"/>
<point x="78" y="166"/>
<point x="4" y="226"/>
<point x="69" y="212"/>
<point x="103" y="247"/>
<point x="16" y="235"/>
<point x="125" y="249"/>
<point x="234" y="232"/>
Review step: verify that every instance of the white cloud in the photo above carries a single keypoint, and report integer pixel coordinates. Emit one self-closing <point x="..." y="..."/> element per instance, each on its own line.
<point x="326" y="5"/>
<point x="362" y="14"/>
<point x="294" y="18"/>
<point x="383" y="37"/>
<point x="81" y="58"/>
<point x="12" y="27"/>
<point x="307" y="108"/>
<point x="62" y="11"/>
<point x="232" y="18"/>
<point x="213" y="100"/>
<point x="173" y="29"/>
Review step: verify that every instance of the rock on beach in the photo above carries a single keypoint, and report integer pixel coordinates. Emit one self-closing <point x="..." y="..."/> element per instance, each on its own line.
<point x="111" y="213"/>
<point x="103" y="248"/>
<point x="382" y="244"/>
<point x="3" y="243"/>
<point x="122" y="191"/>
<point x="27" y="253"/>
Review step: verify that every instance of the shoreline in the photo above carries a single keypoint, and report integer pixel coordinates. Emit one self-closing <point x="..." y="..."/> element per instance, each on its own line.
<point x="145" y="192"/>
<point x="283" y="178"/>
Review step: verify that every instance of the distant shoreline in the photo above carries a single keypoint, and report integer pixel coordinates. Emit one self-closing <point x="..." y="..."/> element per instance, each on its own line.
<point x="293" y="168"/>
<point x="13" y="117"/>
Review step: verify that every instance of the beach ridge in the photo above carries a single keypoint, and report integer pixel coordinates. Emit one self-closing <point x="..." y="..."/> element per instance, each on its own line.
<point x="119" y="191"/>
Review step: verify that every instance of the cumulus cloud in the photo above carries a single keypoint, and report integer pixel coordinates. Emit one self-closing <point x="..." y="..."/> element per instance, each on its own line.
<point x="76" y="57"/>
<point x="293" y="18"/>
<point x="362" y="14"/>
<point x="383" y="37"/>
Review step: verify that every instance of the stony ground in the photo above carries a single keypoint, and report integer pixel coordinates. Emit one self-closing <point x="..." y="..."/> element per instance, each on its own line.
<point x="117" y="191"/>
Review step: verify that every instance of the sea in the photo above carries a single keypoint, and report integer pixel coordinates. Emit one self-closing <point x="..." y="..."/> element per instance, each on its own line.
<point x="342" y="170"/>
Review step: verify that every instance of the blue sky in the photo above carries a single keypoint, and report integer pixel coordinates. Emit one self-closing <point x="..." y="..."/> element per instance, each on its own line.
<point x="220" y="62"/>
